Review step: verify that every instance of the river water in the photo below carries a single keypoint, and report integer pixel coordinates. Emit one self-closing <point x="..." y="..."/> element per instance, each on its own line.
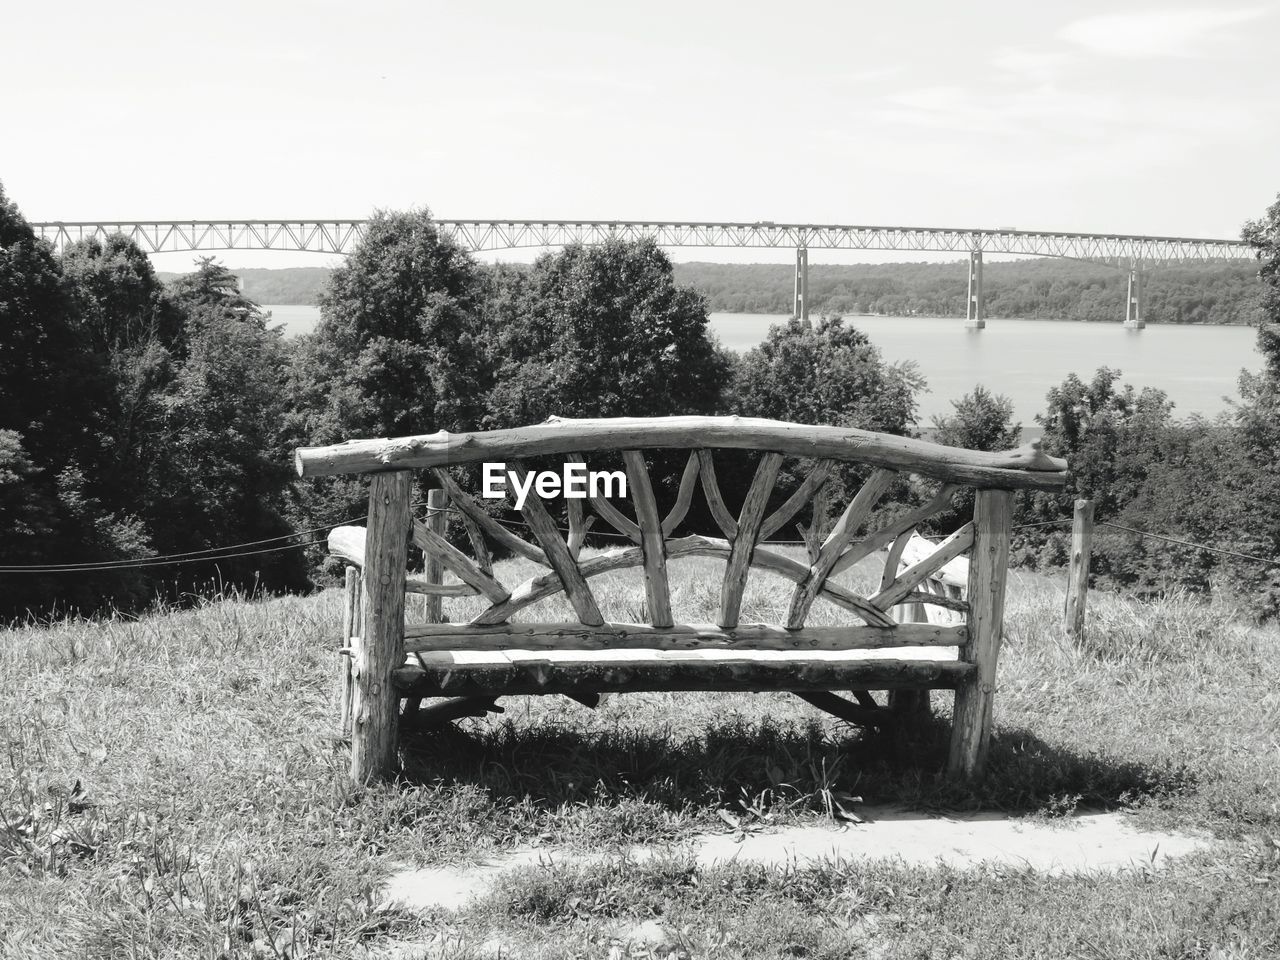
<point x="1196" y="365"/>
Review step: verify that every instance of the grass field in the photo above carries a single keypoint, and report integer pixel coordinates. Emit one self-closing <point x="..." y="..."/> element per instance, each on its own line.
<point x="171" y="788"/>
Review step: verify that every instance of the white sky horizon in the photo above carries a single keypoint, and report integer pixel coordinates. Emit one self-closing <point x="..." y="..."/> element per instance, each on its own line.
<point x="1138" y="118"/>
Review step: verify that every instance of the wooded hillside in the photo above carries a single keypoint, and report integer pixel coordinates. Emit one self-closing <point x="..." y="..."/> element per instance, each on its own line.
<point x="1045" y="289"/>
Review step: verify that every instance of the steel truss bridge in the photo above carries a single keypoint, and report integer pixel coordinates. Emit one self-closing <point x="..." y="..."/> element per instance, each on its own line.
<point x="338" y="237"/>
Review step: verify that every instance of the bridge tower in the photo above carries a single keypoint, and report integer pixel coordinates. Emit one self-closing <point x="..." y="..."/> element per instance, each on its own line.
<point x="974" y="318"/>
<point x="1133" y="303"/>
<point x="801" y="311"/>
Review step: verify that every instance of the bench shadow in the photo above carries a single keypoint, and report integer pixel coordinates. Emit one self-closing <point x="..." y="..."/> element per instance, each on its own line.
<point x="764" y="764"/>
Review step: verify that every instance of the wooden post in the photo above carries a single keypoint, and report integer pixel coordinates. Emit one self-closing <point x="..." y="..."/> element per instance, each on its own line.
<point x="1078" y="574"/>
<point x="377" y="701"/>
<point x="437" y="523"/>
<point x="988" y="570"/>
<point x="350" y="624"/>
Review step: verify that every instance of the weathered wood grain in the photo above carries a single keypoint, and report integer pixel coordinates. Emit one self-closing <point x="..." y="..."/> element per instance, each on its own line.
<point x="479" y="546"/>
<point x="608" y="512"/>
<point x="350" y="624"/>
<point x="433" y="570"/>
<point x="468" y="505"/>
<point x="715" y="499"/>
<point x="548" y="584"/>
<point x="1027" y="467"/>
<point x="988" y="571"/>
<point x="437" y="522"/>
<point x="578" y="525"/>
<point x="656" y="589"/>
<point x="557" y="551"/>
<point x="688" y="480"/>
<point x="589" y="676"/>
<point x="850" y="521"/>
<point x="891" y="531"/>
<point x="946" y="602"/>
<point x="892" y="557"/>
<point x="376" y="704"/>
<point x="802" y="495"/>
<point x="743" y="545"/>
<point x="1078" y="569"/>
<point x="462" y="566"/>
<point x="684" y="636"/>
<point x="348" y="543"/>
<point x="909" y="579"/>
<point x="954" y="573"/>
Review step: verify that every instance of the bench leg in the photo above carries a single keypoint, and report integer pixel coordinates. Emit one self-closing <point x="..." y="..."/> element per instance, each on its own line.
<point x="988" y="570"/>
<point x="910" y="706"/>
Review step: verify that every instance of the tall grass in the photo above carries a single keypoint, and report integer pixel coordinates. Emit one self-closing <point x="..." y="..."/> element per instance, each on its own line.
<point x="171" y="786"/>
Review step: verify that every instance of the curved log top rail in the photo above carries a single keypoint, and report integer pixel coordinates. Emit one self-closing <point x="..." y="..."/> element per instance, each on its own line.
<point x="911" y="561"/>
<point x="1027" y="467"/>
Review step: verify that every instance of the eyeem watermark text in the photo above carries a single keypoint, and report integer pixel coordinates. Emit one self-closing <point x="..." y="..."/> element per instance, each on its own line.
<point x="574" y="482"/>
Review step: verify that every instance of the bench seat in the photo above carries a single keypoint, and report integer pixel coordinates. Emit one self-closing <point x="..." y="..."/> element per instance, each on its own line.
<point x="505" y="672"/>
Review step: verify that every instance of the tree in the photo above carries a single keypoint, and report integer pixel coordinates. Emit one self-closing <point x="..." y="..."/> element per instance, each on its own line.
<point x="52" y="391"/>
<point x="47" y="382"/>
<point x="599" y="332"/>
<point x="1112" y="438"/>
<point x="225" y="472"/>
<point x="398" y="349"/>
<point x="981" y="421"/>
<point x="137" y="335"/>
<point x="826" y="374"/>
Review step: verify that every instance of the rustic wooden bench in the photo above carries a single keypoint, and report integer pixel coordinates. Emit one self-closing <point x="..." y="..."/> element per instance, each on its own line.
<point x="494" y="654"/>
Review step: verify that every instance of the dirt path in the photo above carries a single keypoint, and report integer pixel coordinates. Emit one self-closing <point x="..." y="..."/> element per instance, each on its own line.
<point x="1080" y="844"/>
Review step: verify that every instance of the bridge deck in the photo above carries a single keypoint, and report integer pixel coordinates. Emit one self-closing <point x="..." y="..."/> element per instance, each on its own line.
<point x="342" y="236"/>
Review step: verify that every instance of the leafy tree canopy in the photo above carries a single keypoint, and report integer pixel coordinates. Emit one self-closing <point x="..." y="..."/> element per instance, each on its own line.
<point x="600" y="331"/>
<point x="830" y="373"/>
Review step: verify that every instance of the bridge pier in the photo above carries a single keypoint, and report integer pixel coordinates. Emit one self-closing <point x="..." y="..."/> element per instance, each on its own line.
<point x="801" y="310"/>
<point x="974" y="318"/>
<point x="1133" y="303"/>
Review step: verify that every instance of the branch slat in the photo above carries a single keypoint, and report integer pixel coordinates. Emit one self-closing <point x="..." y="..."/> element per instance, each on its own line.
<point x="890" y="572"/>
<point x="657" y="590"/>
<point x="909" y="579"/>
<point x="715" y="500"/>
<point x="578" y="526"/>
<point x="744" y="543"/>
<point x="548" y="584"/>
<point x="891" y="531"/>
<point x="557" y="551"/>
<point x="468" y="505"/>
<point x="430" y="542"/>
<point x="609" y="513"/>
<point x="938" y="600"/>
<point x="803" y="494"/>
<point x="1026" y="467"/>
<point x="484" y="559"/>
<point x="685" y="636"/>
<point x="855" y="514"/>
<point x="684" y="497"/>
<point x="348" y="543"/>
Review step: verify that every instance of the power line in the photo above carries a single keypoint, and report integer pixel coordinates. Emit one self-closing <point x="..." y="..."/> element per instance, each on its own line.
<point x="1189" y="543"/>
<point x="159" y="562"/>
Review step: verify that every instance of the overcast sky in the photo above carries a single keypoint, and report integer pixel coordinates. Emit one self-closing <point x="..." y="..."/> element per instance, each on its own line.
<point x="1123" y="117"/>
